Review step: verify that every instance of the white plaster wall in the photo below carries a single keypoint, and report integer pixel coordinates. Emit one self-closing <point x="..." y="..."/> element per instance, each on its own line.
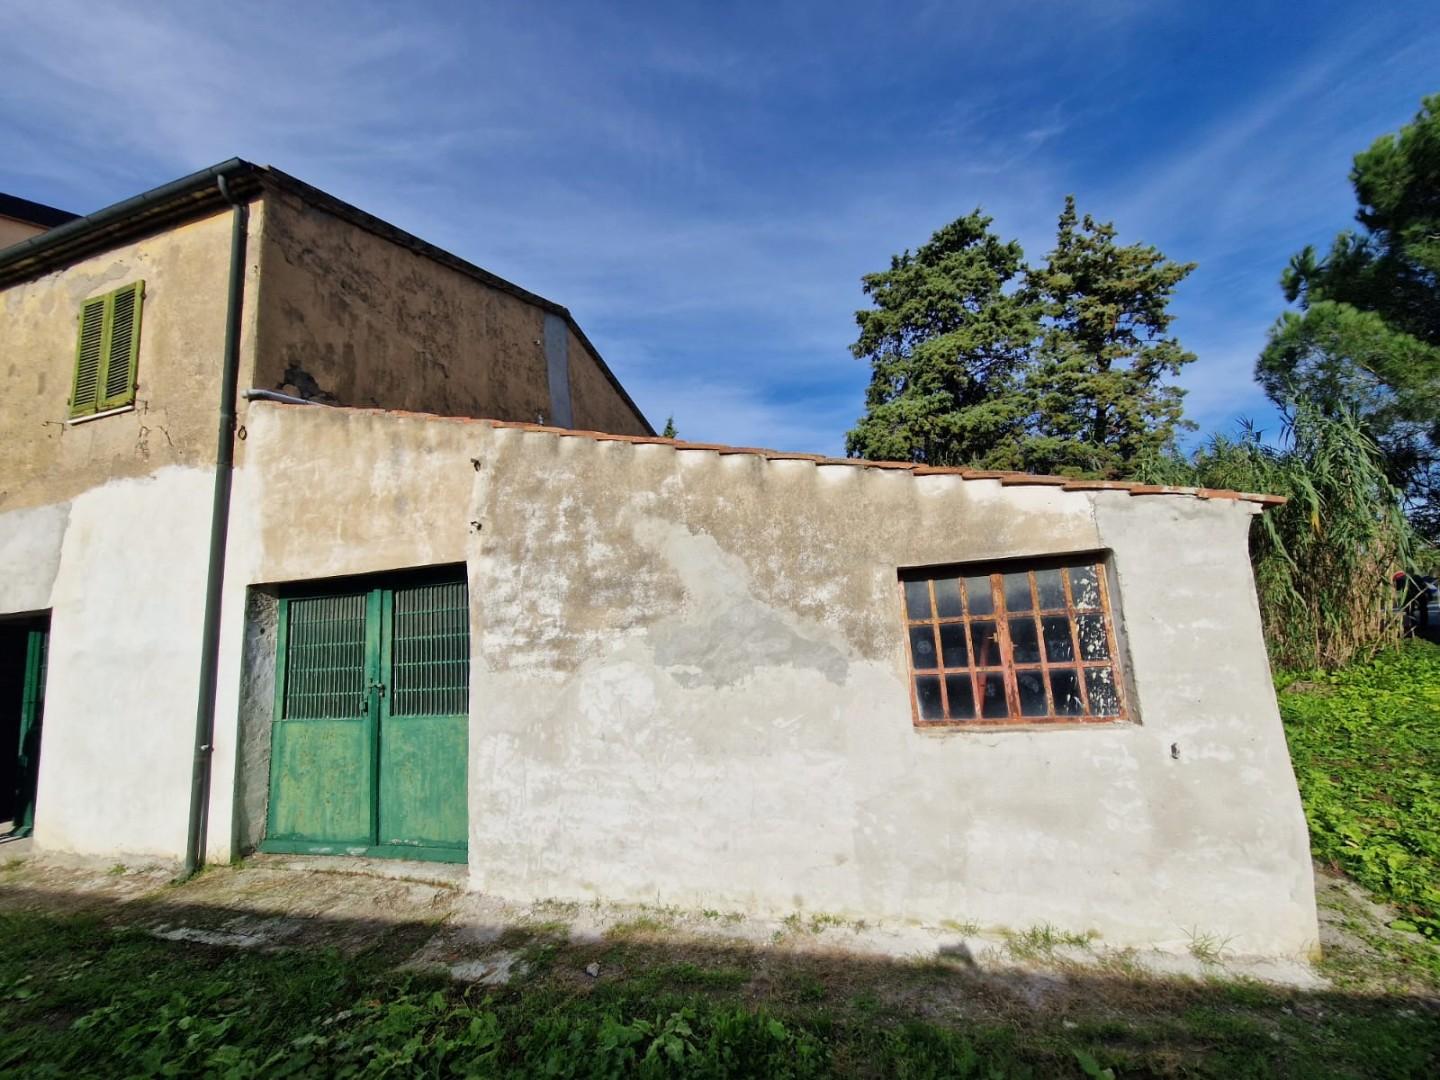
<point x="689" y="682"/>
<point x="690" y="687"/>
<point x="1213" y="749"/>
<point x="323" y="493"/>
<point x="30" y="542"/>
<point x="126" y="612"/>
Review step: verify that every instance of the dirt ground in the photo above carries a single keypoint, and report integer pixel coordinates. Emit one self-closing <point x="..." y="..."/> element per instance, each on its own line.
<point x="429" y="921"/>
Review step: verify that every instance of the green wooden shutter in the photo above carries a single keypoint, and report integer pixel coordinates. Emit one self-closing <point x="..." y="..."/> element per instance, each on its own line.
<point x="122" y="346"/>
<point x="107" y="352"/>
<point x="85" y="394"/>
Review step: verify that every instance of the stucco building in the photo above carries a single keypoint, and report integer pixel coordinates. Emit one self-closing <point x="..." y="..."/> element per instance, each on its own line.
<point x="315" y="538"/>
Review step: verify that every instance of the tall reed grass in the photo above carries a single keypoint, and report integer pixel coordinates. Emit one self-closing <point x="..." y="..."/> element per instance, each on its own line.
<point x="1324" y="561"/>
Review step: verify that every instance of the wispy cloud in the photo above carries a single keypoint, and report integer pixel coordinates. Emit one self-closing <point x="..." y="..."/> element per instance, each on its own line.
<point x="705" y="186"/>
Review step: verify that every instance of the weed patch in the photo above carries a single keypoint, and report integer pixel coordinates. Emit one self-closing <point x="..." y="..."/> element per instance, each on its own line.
<point x="1367" y="758"/>
<point x="81" y="997"/>
<point x="1040" y="942"/>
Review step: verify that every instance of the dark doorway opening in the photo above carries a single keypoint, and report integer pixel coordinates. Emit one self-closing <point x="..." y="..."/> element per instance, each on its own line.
<point x="24" y="649"/>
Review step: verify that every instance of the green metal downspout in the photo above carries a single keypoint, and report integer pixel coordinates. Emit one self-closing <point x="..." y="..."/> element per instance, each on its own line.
<point x="219" y="529"/>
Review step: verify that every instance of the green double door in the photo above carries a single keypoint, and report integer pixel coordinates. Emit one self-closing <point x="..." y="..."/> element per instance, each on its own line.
<point x="369" y="740"/>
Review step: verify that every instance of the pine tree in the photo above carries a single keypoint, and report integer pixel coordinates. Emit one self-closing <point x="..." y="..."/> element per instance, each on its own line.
<point x="1101" y="403"/>
<point x="948" y="339"/>
<point x="1367" y="336"/>
<point x="669" y="432"/>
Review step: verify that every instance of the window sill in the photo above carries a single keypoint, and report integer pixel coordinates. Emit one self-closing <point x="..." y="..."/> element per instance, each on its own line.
<point x="991" y="727"/>
<point x="99" y="415"/>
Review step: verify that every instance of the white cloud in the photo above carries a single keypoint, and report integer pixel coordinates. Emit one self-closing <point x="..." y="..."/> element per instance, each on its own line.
<point x="704" y="190"/>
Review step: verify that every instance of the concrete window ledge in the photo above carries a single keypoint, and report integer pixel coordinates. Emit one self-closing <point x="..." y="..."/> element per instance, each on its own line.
<point x="99" y="415"/>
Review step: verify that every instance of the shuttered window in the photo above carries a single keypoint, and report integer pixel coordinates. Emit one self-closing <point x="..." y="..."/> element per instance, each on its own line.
<point x="107" y="351"/>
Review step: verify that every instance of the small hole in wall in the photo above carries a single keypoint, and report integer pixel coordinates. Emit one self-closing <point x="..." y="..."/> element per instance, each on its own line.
<point x="1175" y="750"/>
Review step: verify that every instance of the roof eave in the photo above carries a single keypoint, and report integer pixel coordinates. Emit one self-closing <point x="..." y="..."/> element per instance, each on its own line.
<point x="199" y="193"/>
<point x="139" y="215"/>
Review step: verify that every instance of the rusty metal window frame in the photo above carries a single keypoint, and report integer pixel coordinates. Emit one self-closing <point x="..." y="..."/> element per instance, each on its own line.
<point x="996" y="660"/>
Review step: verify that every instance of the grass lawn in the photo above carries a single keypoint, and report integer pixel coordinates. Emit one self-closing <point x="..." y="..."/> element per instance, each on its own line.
<point x="83" y="997"/>
<point x="87" y="990"/>
<point x="1366" y="747"/>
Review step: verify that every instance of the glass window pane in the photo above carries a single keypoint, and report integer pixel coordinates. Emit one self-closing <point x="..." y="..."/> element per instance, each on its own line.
<point x="1094" y="645"/>
<point x="922" y="648"/>
<point x="1085" y="586"/>
<point x="1100" y="685"/>
<point x="927" y="693"/>
<point x="1017" y="591"/>
<point x="1065" y="690"/>
<point x="917" y="599"/>
<point x="1050" y="587"/>
<point x="993" y="705"/>
<point x="962" y="697"/>
<point x="1031" y="685"/>
<point x="947" y="598"/>
<point x="1059" y="646"/>
<point x="953" y="653"/>
<point x="977" y="593"/>
<point x="1024" y="642"/>
<point x="986" y="644"/>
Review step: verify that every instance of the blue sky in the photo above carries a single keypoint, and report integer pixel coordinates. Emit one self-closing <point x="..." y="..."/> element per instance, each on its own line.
<point x="703" y="184"/>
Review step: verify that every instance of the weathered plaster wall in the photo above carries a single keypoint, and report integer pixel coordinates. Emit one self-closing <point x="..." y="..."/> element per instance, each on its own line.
<point x="593" y="401"/>
<point x="690" y="686"/>
<point x="353" y="318"/>
<point x="13" y="231"/>
<point x="106" y="523"/>
<point x="185" y="269"/>
<point x="690" y="683"/>
<point x="1232" y="822"/>
<point x="30" y="542"/>
<point x="321" y="493"/>
<point x="255" y="707"/>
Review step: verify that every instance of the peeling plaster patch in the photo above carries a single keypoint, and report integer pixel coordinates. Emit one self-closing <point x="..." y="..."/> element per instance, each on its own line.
<point x="729" y="633"/>
<point x="30" y="545"/>
<point x="1115" y="758"/>
<point x="618" y="689"/>
<point x="726" y="648"/>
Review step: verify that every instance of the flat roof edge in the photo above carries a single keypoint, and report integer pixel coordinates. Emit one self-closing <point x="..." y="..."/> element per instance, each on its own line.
<point x="179" y="200"/>
<point x="1006" y="479"/>
<point x="33" y="213"/>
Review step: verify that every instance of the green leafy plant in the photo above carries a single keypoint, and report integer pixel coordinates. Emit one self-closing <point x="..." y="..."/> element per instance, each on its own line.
<point x="1366" y="746"/>
<point x="1205" y="947"/>
<point x="1324" y="560"/>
